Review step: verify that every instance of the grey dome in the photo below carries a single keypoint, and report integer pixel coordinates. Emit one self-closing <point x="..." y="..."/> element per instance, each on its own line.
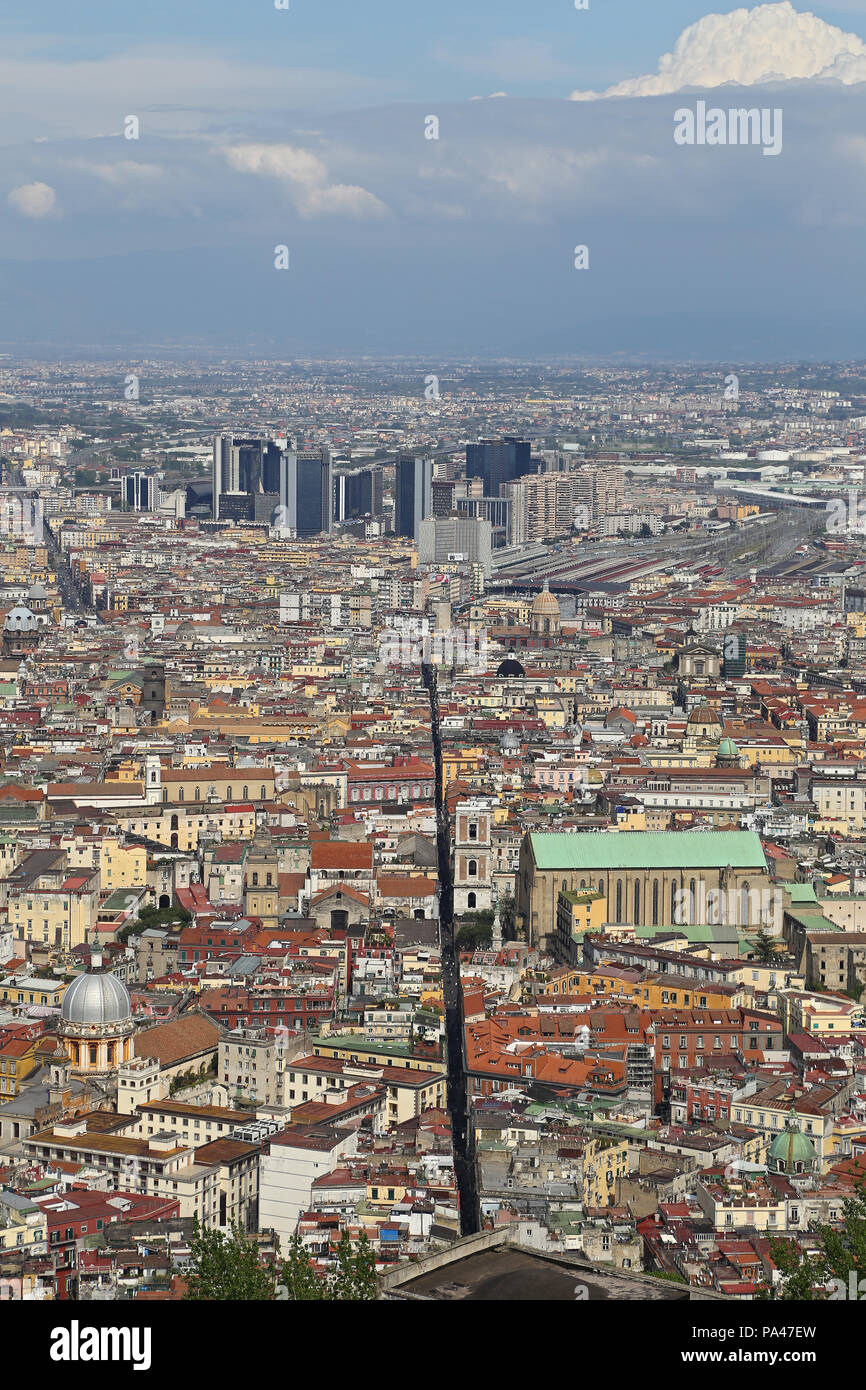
<point x="21" y="619"/>
<point x="96" y="998"/>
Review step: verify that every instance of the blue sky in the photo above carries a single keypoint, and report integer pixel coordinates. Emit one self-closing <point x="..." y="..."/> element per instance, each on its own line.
<point x="414" y="49"/>
<point x="305" y="127"/>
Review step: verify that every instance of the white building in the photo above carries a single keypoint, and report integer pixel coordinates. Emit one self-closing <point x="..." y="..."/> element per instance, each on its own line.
<point x="289" y="1165"/>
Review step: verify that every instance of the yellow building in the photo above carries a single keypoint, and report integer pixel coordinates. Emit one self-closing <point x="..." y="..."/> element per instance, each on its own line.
<point x="649" y="992"/>
<point x="18" y="1060"/>
<point x="770" y="1114"/>
<point x="357" y="1049"/>
<point x="605" y="1161"/>
<point x="462" y="762"/>
<point x="56" y="909"/>
<point x="23" y="1227"/>
<point x="386" y="1193"/>
<point x="122" y="866"/>
<point x="407" y="1091"/>
<point x="820" y="1015"/>
<point x="631" y="818"/>
<point x="180" y="828"/>
<point x="577" y="914"/>
<point x="22" y="991"/>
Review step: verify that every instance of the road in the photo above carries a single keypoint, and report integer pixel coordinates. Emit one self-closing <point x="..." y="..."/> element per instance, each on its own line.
<point x="71" y="599"/>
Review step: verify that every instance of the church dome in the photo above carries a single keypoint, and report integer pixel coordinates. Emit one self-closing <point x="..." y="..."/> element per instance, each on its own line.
<point x="37" y="593"/>
<point x="704" y="714"/>
<point x="545" y="604"/>
<point x="728" y="749"/>
<point x="510" y="667"/>
<point x="791" y="1151"/>
<point x="21" y="619"/>
<point x="96" y="997"/>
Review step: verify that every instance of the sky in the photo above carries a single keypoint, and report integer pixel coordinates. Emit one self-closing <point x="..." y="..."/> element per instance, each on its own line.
<point x="305" y="128"/>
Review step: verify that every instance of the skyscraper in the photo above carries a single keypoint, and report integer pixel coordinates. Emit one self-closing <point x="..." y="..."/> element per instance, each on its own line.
<point x="245" y="470"/>
<point x="264" y="480"/>
<point x="306" y="493"/>
<point x="498" y="461"/>
<point x="357" y="492"/>
<point x="139" y="492"/>
<point x="413" y="493"/>
<point x="439" y="538"/>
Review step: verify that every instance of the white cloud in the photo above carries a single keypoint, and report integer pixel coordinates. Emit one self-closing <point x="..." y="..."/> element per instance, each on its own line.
<point x="121" y="172"/>
<point x="33" y="199"/>
<point x="306" y="178"/>
<point x="767" y="43"/>
<point x="171" y="90"/>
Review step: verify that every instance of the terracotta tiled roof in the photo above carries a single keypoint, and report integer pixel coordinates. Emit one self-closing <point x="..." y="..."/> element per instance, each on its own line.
<point x="170" y="1043"/>
<point x="341" y="854"/>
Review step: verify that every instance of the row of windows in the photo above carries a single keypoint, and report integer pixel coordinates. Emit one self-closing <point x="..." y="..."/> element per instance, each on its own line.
<point x="245" y="794"/>
<point x="621" y="903"/>
<point x="391" y="793"/>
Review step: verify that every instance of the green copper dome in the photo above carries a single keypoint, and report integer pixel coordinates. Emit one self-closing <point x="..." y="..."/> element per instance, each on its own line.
<point x="728" y="749"/>
<point x="792" y="1151"/>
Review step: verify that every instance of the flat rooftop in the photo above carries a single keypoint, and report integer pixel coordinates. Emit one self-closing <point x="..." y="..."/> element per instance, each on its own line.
<point x="508" y="1275"/>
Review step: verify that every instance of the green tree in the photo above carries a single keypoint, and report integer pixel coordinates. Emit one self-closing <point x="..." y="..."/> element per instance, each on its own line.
<point x="472" y="935"/>
<point x="225" y="1265"/>
<point x="801" y="1275"/>
<point x="506" y="916"/>
<point x="842" y="1250"/>
<point x="301" y="1281"/>
<point x="355" y="1277"/>
<point x="353" y="1280"/>
<point x="765" y="948"/>
<point x="845" y="1249"/>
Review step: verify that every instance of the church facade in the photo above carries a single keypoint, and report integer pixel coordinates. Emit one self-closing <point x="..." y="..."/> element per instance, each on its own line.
<point x="648" y="878"/>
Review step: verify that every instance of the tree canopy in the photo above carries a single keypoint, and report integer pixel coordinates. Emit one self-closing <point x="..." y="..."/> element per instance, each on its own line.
<point x="227" y="1266"/>
<point x="842" y="1251"/>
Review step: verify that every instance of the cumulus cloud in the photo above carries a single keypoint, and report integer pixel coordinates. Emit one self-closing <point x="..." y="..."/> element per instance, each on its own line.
<point x="768" y="43"/>
<point x="307" y="179"/>
<point x="33" y="199"/>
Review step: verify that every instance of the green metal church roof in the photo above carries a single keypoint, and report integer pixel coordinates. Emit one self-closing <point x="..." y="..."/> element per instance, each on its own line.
<point x="648" y="849"/>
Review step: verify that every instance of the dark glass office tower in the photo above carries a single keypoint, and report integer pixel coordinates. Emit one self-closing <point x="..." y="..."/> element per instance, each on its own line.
<point x="306" y="492"/>
<point x="413" y="493"/>
<point x="443" y="496"/>
<point x="498" y="461"/>
<point x="357" y="492"/>
<point x="138" y="492"/>
<point x="245" y="469"/>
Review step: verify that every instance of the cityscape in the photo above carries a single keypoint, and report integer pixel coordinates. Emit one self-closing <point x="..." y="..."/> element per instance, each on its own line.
<point x="433" y="783"/>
